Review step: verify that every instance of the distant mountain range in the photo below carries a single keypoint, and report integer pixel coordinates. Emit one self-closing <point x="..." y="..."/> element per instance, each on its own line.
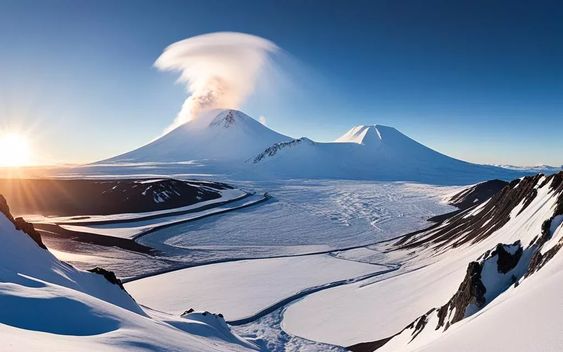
<point x="231" y="143"/>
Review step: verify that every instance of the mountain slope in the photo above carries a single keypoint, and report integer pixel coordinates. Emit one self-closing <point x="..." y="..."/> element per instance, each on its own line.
<point x="228" y="142"/>
<point x="370" y="152"/>
<point x="48" y="305"/>
<point x="499" y="261"/>
<point x="218" y="135"/>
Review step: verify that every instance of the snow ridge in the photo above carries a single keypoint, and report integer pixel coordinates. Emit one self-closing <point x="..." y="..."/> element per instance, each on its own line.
<point x="499" y="275"/>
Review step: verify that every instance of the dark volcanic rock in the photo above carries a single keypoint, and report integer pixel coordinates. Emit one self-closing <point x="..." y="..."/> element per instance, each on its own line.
<point x="20" y="223"/>
<point x="512" y="262"/>
<point x="507" y="261"/>
<point x="68" y="197"/>
<point x="369" y="346"/>
<point x="191" y="310"/>
<point x="470" y="291"/>
<point x="5" y="209"/>
<point x="477" y="194"/>
<point x="28" y="228"/>
<point x="274" y="149"/>
<point x="538" y="259"/>
<point x="109" y="275"/>
<point x="465" y="228"/>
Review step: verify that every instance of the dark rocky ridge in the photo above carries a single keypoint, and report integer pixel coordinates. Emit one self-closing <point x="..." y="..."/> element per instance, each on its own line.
<point x="225" y="121"/>
<point x="108" y="275"/>
<point x="477" y="194"/>
<point x="472" y="290"/>
<point x="471" y="196"/>
<point x="274" y="149"/>
<point x="469" y="298"/>
<point x="68" y="197"/>
<point x="493" y="215"/>
<point x="538" y="259"/>
<point x="20" y="223"/>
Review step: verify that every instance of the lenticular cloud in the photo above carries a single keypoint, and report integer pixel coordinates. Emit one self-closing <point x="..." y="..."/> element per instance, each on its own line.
<point x="219" y="69"/>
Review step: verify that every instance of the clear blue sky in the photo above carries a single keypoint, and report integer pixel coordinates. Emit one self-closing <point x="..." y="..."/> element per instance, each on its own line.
<point x="478" y="80"/>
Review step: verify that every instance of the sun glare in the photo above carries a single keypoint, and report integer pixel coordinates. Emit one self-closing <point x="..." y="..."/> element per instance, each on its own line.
<point x="14" y="150"/>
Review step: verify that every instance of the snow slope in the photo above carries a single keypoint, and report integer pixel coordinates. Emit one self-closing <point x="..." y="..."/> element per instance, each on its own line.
<point x="217" y="136"/>
<point x="434" y="274"/>
<point x="252" y="285"/>
<point x="48" y="305"/>
<point x="369" y="152"/>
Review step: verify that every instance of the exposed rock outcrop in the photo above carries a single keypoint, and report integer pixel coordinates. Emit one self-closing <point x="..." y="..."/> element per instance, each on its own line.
<point x="20" y="223"/>
<point x="70" y="197"/>
<point x="477" y="194"/>
<point x="108" y="275"/>
<point x="539" y="259"/>
<point x="479" y="221"/>
<point x="225" y="121"/>
<point x="274" y="149"/>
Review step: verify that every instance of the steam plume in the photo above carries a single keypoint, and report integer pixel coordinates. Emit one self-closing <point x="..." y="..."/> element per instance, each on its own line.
<point x="219" y="69"/>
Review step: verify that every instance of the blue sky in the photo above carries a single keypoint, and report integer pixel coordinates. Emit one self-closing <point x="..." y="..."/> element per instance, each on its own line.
<point x="477" y="80"/>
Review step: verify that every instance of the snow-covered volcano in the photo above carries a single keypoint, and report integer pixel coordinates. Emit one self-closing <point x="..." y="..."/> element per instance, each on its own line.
<point x="370" y="152"/>
<point x="219" y="135"/>
<point x="229" y="142"/>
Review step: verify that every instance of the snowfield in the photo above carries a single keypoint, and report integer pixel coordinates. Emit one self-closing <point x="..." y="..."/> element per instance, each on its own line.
<point x="307" y="216"/>
<point x="240" y="289"/>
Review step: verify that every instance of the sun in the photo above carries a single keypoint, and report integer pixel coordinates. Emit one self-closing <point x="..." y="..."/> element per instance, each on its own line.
<point x="14" y="150"/>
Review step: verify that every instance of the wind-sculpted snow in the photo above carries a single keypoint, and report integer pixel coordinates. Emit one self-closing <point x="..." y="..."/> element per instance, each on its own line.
<point x="252" y="285"/>
<point x="48" y="305"/>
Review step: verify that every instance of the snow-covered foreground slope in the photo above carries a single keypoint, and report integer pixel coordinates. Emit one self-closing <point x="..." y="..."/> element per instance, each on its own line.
<point x="523" y="319"/>
<point x="239" y="289"/>
<point x="369" y="152"/>
<point x="48" y="305"/>
<point x="438" y="301"/>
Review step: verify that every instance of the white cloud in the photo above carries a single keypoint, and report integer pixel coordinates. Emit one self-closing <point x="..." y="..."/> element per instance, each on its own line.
<point x="219" y="69"/>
